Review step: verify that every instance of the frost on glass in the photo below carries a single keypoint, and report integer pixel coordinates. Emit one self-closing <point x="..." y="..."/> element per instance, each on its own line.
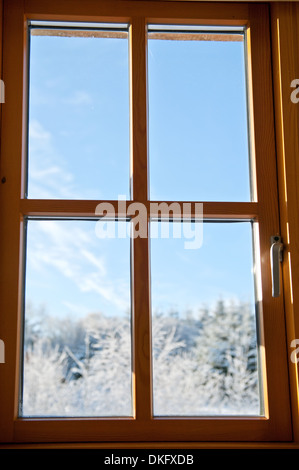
<point x="77" y="324"/>
<point x="204" y="335"/>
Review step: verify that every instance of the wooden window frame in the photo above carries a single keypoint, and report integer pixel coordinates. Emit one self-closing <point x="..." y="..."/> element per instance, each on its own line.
<point x="276" y="426"/>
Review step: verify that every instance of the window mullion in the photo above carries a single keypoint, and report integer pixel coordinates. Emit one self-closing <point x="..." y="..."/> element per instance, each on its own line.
<point x="140" y="246"/>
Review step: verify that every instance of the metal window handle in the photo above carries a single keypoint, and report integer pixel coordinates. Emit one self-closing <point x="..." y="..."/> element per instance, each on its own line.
<point x="276" y="254"/>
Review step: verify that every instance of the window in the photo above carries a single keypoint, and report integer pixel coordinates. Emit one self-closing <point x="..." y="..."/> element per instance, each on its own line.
<point x="78" y="148"/>
<point x="78" y="111"/>
<point x="134" y="136"/>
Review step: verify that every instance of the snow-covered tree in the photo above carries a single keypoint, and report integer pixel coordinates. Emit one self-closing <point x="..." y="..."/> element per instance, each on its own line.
<point x="201" y="366"/>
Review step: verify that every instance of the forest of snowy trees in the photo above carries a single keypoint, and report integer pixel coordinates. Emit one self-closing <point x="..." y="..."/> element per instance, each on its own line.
<point x="203" y="364"/>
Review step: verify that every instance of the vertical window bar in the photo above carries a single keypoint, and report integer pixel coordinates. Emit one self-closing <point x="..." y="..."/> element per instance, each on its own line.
<point x="140" y="246"/>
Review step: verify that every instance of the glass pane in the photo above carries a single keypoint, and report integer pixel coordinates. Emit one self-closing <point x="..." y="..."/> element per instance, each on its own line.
<point x="204" y="336"/>
<point x="78" y="114"/>
<point x="77" y="334"/>
<point x="198" y="139"/>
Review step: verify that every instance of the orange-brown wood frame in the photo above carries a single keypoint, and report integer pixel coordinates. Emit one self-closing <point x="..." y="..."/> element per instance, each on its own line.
<point x="276" y="425"/>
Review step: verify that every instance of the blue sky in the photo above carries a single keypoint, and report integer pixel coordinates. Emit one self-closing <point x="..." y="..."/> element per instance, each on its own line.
<point x="79" y="149"/>
<point x="197" y="121"/>
<point x="79" y="118"/>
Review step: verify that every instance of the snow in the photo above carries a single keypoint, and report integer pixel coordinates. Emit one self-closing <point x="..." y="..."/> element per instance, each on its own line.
<point x="201" y="365"/>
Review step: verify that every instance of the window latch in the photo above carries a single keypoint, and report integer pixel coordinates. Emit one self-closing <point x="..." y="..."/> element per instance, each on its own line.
<point x="276" y="256"/>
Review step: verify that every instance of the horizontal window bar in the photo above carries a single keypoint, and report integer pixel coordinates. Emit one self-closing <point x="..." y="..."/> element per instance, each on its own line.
<point x="122" y="208"/>
<point x="78" y="25"/>
<point x="82" y="33"/>
<point x="96" y="30"/>
<point x="183" y="36"/>
<point x="195" y="28"/>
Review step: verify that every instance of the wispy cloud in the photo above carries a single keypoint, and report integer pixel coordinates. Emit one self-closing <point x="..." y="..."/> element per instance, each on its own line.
<point x="79" y="98"/>
<point x="38" y="133"/>
<point x="48" y="175"/>
<point x="73" y="253"/>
